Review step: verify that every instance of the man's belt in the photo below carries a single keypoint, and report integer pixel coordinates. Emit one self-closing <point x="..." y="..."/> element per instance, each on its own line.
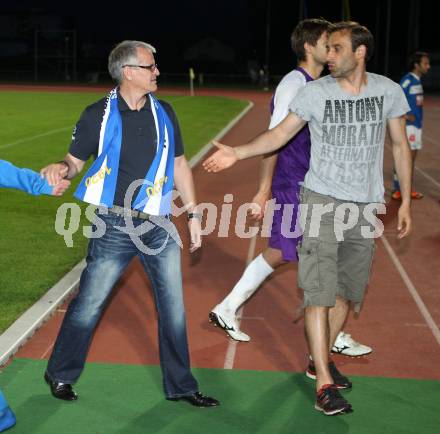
<point x="119" y="210"/>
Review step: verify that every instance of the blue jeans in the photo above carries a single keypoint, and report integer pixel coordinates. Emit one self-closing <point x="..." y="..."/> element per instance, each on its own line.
<point x="107" y="258"/>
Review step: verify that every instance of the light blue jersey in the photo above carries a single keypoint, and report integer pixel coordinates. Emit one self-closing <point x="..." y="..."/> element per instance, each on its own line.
<point x="7" y="417"/>
<point x="412" y="86"/>
<point x="23" y="179"/>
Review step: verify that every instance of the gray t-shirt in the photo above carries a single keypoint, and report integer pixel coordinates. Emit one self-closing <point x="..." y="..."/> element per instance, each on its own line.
<point x="347" y="134"/>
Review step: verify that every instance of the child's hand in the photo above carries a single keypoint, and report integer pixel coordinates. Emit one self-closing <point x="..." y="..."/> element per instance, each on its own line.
<point x="60" y="188"/>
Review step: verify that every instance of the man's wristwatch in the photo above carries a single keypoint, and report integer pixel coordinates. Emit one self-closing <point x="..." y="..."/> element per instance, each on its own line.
<point x="194" y="215"/>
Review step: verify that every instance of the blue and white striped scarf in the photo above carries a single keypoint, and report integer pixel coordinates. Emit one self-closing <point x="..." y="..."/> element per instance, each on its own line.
<point x="99" y="183"/>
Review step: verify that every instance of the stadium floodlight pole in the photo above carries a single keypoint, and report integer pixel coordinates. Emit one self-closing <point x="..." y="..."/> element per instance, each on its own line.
<point x="377" y="36"/>
<point x="387" y="38"/>
<point x="414" y="25"/>
<point x="192" y="76"/>
<point x="75" y="72"/>
<point x="66" y="58"/>
<point x="302" y="13"/>
<point x="36" y="55"/>
<point x="267" y="56"/>
<point x="346" y="16"/>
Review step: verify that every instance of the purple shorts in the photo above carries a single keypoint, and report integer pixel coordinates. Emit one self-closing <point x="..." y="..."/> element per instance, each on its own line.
<point x="285" y="232"/>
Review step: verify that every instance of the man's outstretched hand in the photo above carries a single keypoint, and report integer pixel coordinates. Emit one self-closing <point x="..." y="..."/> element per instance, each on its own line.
<point x="222" y="159"/>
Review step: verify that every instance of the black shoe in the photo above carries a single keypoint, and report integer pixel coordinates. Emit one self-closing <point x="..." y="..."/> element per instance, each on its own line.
<point x="61" y="390"/>
<point x="330" y="401"/>
<point x="339" y="380"/>
<point x="198" y="400"/>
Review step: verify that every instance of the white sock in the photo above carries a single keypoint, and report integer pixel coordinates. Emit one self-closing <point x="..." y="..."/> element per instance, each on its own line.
<point x="254" y="275"/>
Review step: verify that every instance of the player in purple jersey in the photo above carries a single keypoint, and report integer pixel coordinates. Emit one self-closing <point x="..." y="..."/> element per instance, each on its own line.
<point x="280" y="175"/>
<point x="412" y="86"/>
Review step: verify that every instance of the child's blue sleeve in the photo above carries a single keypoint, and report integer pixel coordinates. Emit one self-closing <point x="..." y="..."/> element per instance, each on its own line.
<point x="23" y="179"/>
<point x="7" y="417"/>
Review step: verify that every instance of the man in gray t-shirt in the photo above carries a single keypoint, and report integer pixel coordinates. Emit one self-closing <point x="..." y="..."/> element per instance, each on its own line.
<point x="347" y="114"/>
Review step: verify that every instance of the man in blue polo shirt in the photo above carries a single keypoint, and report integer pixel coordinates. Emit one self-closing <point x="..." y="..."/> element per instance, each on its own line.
<point x="136" y="141"/>
<point x="412" y="86"/>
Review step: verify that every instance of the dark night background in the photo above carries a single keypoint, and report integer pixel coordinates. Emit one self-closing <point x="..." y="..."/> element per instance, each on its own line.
<point x="222" y="40"/>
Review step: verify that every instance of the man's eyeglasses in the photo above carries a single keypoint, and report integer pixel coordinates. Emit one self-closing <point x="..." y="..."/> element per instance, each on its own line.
<point x="151" y="68"/>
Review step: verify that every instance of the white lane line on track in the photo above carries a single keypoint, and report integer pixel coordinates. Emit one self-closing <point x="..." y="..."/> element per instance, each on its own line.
<point x="232" y="347"/>
<point x="412" y="290"/>
<point x="29" y="139"/>
<point x="46" y="352"/>
<point x="408" y="324"/>
<point x="431" y="140"/>
<point x="428" y="177"/>
<point x="420" y="171"/>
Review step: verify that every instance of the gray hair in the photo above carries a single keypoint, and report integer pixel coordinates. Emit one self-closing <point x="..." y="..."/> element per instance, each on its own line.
<point x="124" y="53"/>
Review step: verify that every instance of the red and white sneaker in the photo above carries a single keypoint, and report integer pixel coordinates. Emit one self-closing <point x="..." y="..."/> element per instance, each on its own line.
<point x="331" y="402"/>
<point x="339" y="380"/>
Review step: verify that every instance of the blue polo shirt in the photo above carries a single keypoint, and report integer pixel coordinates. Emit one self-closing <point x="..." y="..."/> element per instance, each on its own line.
<point x="138" y="147"/>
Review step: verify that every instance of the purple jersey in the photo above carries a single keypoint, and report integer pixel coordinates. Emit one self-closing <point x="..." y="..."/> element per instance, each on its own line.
<point x="294" y="158"/>
<point x="291" y="168"/>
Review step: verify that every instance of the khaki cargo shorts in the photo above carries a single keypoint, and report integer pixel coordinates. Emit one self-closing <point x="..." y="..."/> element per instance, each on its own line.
<point x="337" y="249"/>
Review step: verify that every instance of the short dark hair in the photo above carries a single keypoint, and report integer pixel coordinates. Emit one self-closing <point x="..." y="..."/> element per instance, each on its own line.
<point x="309" y="31"/>
<point x="415" y="59"/>
<point x="359" y="34"/>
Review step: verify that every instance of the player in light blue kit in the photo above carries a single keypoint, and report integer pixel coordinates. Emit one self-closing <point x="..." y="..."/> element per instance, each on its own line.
<point x="31" y="182"/>
<point x="412" y="86"/>
<point x="7" y="417"/>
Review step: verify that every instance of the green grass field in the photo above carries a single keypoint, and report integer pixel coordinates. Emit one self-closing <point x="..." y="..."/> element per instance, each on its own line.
<point x="35" y="131"/>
